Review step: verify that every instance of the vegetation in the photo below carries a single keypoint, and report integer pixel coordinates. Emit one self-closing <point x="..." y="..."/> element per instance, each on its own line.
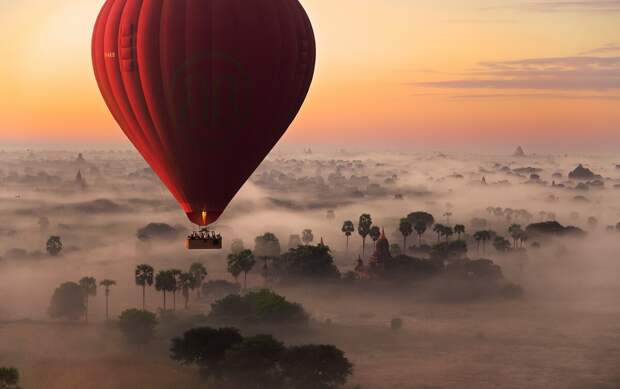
<point x="54" y="246"/>
<point x="348" y="228"/>
<point x="363" y="228"/>
<point x="199" y="273"/>
<point x="307" y="236"/>
<point x="266" y="247"/>
<point x="304" y="263"/>
<point x="144" y="278"/>
<point x="405" y="228"/>
<point x="89" y="288"/>
<point x="230" y="360"/>
<point x="67" y="302"/>
<point x="165" y="281"/>
<point x="186" y="282"/>
<point x="138" y="326"/>
<point x="9" y="378"/>
<point x="107" y="284"/>
<point x="262" y="307"/>
<point x="241" y="263"/>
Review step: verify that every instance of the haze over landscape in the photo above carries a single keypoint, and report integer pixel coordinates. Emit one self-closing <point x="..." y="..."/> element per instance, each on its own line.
<point x="443" y="213"/>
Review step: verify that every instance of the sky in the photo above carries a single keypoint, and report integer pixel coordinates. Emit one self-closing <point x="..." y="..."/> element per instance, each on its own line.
<point x="410" y="73"/>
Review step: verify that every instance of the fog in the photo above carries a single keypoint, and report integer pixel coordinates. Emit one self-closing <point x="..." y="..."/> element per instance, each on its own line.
<point x="563" y="331"/>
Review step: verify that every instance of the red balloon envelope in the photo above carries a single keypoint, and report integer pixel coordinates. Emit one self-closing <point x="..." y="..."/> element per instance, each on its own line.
<point x="203" y="88"/>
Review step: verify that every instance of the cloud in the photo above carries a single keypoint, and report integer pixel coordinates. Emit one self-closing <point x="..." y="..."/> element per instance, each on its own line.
<point x="564" y="6"/>
<point x="609" y="49"/>
<point x="574" y="73"/>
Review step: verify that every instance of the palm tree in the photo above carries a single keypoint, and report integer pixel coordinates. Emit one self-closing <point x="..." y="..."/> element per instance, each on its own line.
<point x="459" y="229"/>
<point x="438" y="229"/>
<point x="199" y="271"/>
<point x="486" y="235"/>
<point x="307" y="236"/>
<point x="420" y="229"/>
<point x="478" y="238"/>
<point x="175" y="273"/>
<point x="165" y="281"/>
<point x="144" y="278"/>
<point x="405" y="229"/>
<point x="375" y="234"/>
<point x="186" y="282"/>
<point x="89" y="288"/>
<point x="348" y="228"/>
<point x="242" y="262"/>
<point x="515" y="230"/>
<point x="363" y="228"/>
<point x="447" y="232"/>
<point x="107" y="284"/>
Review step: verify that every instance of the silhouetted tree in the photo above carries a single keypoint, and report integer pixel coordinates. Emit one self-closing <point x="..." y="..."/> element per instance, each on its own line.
<point x="447" y="232"/>
<point x="501" y="244"/>
<point x="67" y="302"/>
<point x="236" y="246"/>
<point x="316" y="367"/>
<point x="459" y="230"/>
<point x="348" y="228"/>
<point x="420" y="229"/>
<point x="107" y="284"/>
<point x="421" y="217"/>
<point x="138" y="326"/>
<point x="199" y="273"/>
<point x="9" y="378"/>
<point x="375" y="234"/>
<point x="515" y="231"/>
<point x="439" y="230"/>
<point x="483" y="236"/>
<point x="186" y="282"/>
<point x="176" y="273"/>
<point x="266" y="247"/>
<point x="144" y="277"/>
<point x="89" y="287"/>
<point x="405" y="229"/>
<point x="363" y="228"/>
<point x="165" y="281"/>
<point x="244" y="262"/>
<point x="307" y="236"/>
<point x="54" y="246"/>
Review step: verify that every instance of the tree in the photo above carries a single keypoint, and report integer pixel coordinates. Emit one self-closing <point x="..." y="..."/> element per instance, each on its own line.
<point x="175" y="287"/>
<point x="421" y="217"/>
<point x="236" y="246"/>
<point x="253" y="363"/>
<point x="363" y="228"/>
<point x="138" y="326"/>
<point x="89" y="287"/>
<point x="375" y="234"/>
<point x="199" y="272"/>
<point x="447" y="232"/>
<point x="483" y="236"/>
<point x="305" y="263"/>
<point x="107" y="284"/>
<point x="501" y="244"/>
<point x="54" y="246"/>
<point x="316" y="367"/>
<point x="67" y="302"/>
<point x="348" y="228"/>
<point x="515" y="231"/>
<point x="186" y="282"/>
<point x="459" y="230"/>
<point x="439" y="230"/>
<point x="9" y="378"/>
<point x="144" y="278"/>
<point x="244" y="261"/>
<point x="233" y="266"/>
<point x="165" y="281"/>
<point x="205" y="347"/>
<point x="307" y="236"/>
<point x="266" y="247"/>
<point x="405" y="229"/>
<point x="420" y="229"/>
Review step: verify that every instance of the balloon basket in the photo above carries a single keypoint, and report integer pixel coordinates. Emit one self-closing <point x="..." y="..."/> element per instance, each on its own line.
<point x="203" y="241"/>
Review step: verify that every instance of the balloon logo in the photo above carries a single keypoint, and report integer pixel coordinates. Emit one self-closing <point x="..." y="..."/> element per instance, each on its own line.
<point x="203" y="88"/>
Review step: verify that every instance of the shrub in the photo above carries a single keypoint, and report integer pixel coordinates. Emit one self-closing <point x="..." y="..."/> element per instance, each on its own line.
<point x="137" y="326"/>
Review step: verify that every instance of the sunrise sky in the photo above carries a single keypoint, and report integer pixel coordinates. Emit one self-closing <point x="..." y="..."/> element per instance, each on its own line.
<point x="414" y="73"/>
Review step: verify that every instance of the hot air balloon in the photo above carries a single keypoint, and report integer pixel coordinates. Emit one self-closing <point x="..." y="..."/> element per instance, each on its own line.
<point x="203" y="89"/>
